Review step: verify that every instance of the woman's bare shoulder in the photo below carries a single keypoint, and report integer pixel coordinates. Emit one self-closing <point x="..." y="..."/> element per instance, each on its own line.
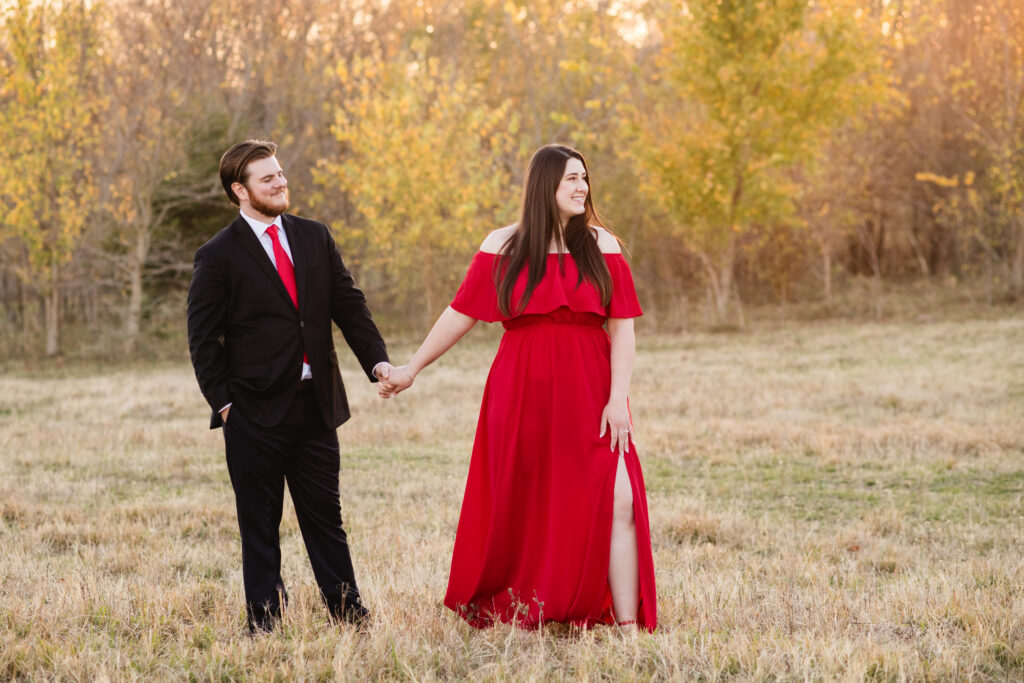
<point x="607" y="242"/>
<point x="494" y="242"/>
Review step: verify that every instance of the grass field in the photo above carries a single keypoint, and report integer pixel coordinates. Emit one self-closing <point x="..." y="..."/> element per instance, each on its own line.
<point x="828" y="501"/>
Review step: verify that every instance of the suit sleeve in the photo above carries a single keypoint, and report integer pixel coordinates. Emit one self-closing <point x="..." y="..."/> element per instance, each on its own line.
<point x="207" y="316"/>
<point x="351" y="314"/>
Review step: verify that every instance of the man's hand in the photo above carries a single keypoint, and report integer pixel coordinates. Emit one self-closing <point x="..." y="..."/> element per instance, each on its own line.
<point x="224" y="414"/>
<point x="382" y="370"/>
<point x="398" y="380"/>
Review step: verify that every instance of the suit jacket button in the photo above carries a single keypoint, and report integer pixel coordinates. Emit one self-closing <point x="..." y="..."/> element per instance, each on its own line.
<point x="302" y="324"/>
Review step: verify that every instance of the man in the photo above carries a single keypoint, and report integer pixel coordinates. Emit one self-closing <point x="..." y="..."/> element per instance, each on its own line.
<point x="263" y="294"/>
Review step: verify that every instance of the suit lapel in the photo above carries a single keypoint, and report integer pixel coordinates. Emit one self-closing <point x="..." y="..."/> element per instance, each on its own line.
<point x="298" y="248"/>
<point x="247" y="238"/>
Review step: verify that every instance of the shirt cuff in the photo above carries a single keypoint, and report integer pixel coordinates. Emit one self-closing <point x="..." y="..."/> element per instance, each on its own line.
<point x="225" y="407"/>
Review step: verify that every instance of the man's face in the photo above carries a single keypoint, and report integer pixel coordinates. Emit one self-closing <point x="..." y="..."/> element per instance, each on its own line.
<point x="265" y="189"/>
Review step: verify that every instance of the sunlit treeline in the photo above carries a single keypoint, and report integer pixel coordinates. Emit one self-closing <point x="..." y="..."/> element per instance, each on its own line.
<point x="746" y="151"/>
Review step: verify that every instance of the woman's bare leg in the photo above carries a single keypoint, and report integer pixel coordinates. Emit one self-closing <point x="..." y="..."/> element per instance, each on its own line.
<point x="623" y="575"/>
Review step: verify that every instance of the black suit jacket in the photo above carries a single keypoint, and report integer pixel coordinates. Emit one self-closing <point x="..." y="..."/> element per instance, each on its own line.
<point x="246" y="337"/>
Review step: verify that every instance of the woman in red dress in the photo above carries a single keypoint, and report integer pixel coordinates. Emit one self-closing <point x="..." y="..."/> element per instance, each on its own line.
<point x="554" y="522"/>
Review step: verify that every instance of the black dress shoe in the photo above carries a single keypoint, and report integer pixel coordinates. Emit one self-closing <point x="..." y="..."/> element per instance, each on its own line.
<point x="263" y="619"/>
<point x="264" y="625"/>
<point x="350" y="612"/>
<point x="356" y="614"/>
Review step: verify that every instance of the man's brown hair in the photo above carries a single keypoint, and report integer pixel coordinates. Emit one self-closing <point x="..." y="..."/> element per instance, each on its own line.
<point x="236" y="159"/>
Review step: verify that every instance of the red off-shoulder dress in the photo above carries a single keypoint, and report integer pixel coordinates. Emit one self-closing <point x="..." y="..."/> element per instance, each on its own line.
<point x="533" y="539"/>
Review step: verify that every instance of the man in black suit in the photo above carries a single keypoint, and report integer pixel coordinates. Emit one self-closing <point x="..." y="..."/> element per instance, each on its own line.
<point x="263" y="294"/>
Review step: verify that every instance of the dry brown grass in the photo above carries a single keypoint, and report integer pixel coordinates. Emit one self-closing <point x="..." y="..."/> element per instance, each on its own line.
<point x="828" y="502"/>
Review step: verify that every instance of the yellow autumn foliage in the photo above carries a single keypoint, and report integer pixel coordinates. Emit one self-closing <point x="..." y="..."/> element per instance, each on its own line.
<point x="421" y="164"/>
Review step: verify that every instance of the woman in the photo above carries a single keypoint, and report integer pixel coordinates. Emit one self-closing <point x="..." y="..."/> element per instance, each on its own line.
<point x="554" y="520"/>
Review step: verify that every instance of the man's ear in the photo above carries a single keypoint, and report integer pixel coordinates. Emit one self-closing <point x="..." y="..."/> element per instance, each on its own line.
<point x="240" y="191"/>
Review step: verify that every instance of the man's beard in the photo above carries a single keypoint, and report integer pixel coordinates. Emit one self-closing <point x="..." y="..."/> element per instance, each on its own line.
<point x="268" y="209"/>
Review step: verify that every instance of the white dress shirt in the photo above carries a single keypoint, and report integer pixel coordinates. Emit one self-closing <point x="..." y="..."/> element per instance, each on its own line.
<point x="259" y="228"/>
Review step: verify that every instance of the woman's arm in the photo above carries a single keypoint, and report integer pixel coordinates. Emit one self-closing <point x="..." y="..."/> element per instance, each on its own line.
<point x="616" y="413"/>
<point x="448" y="329"/>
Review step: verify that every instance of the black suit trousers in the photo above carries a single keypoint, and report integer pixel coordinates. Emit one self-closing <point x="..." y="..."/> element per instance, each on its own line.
<point x="303" y="452"/>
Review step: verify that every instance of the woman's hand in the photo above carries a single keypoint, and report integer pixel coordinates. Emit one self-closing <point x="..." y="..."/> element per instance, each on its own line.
<point x="397" y="380"/>
<point x="615" y="417"/>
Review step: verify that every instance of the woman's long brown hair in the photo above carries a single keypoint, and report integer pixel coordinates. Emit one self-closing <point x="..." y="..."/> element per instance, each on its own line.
<point x="540" y="225"/>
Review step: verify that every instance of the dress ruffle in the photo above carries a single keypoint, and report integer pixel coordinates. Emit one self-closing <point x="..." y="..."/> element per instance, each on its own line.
<point x="478" y="297"/>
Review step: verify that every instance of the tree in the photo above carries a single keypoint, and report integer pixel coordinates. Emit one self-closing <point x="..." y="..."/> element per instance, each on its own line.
<point x="420" y="165"/>
<point x="168" y="69"/>
<point x="746" y="89"/>
<point x="985" y="83"/>
<point x="48" y="134"/>
<point x="163" y="81"/>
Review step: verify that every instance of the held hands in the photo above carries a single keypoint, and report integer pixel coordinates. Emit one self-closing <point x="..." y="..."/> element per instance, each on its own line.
<point x="393" y="380"/>
<point x="615" y="417"/>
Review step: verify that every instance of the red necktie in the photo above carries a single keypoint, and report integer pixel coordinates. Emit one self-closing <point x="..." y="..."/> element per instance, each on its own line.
<point x="284" y="266"/>
<point x="286" y="270"/>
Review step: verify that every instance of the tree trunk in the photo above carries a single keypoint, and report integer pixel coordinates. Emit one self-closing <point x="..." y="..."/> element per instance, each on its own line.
<point x="15" y="293"/>
<point x="725" y="275"/>
<point x="826" y="267"/>
<point x="1017" y="271"/>
<point x="52" y="307"/>
<point x="720" y="277"/>
<point x="136" y="264"/>
<point x="429" y="312"/>
<point x="25" y="309"/>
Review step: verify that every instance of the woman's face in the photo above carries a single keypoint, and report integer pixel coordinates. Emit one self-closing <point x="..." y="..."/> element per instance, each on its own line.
<point x="572" y="190"/>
